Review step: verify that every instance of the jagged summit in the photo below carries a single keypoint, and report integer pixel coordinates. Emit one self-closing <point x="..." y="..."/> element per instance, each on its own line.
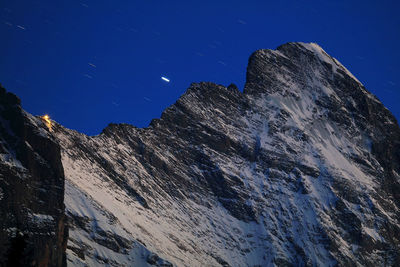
<point x="294" y="57"/>
<point x="321" y="54"/>
<point x="270" y="66"/>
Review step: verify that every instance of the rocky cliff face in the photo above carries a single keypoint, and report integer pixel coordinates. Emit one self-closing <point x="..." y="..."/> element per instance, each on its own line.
<point x="32" y="222"/>
<point x="302" y="169"/>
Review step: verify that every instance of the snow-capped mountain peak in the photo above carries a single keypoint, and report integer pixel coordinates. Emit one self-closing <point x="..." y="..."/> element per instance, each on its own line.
<point x="301" y="168"/>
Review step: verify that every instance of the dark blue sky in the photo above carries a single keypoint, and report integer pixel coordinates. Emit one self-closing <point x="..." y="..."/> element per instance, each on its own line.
<point x="88" y="63"/>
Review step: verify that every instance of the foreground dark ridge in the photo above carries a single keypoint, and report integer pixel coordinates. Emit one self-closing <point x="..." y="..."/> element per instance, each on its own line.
<point x="33" y="231"/>
<point x="302" y="169"/>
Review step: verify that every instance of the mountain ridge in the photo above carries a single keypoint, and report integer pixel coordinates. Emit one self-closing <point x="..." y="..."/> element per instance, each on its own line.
<point x="311" y="47"/>
<point x="303" y="125"/>
<point x="301" y="168"/>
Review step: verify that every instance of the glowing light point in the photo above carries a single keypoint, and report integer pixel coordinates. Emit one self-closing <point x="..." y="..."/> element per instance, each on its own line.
<point x="165" y="79"/>
<point x="46" y="118"/>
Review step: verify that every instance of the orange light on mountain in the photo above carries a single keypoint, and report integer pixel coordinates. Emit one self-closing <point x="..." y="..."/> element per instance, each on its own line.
<point x="46" y="118"/>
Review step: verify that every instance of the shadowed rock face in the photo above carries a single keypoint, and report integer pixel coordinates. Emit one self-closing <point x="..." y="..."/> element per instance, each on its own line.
<point x="32" y="222"/>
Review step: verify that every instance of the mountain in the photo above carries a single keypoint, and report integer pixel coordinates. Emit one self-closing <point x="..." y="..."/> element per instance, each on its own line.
<point x="299" y="169"/>
<point x="33" y="231"/>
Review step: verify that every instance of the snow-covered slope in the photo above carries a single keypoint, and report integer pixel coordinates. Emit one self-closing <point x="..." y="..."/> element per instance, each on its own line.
<point x="301" y="168"/>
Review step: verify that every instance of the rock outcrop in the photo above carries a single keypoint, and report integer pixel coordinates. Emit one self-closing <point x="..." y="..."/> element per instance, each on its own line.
<point x="33" y="228"/>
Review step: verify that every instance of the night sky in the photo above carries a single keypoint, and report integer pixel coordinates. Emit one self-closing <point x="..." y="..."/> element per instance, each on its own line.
<point x="89" y="63"/>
